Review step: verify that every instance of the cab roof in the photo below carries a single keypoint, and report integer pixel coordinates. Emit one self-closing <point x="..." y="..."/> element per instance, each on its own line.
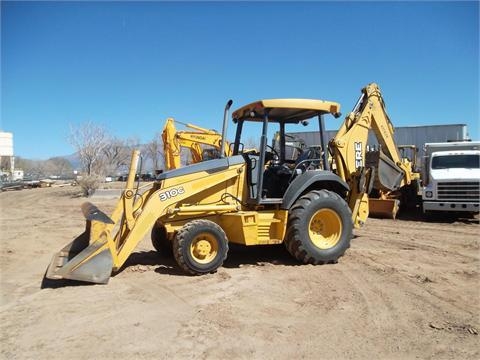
<point x="286" y="110"/>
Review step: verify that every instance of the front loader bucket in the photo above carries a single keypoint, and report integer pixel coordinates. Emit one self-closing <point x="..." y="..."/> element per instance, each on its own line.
<point x="383" y="208"/>
<point x="88" y="257"/>
<point x="93" y="255"/>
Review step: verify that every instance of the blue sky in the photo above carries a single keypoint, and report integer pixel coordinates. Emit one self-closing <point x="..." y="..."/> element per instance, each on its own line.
<point x="129" y="66"/>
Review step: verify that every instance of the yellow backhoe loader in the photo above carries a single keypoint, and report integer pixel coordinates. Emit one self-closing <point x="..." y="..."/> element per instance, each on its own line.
<point x="248" y="198"/>
<point x="379" y="179"/>
<point x="202" y="143"/>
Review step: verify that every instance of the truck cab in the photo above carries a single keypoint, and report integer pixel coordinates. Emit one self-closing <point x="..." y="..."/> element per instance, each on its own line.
<point x="452" y="177"/>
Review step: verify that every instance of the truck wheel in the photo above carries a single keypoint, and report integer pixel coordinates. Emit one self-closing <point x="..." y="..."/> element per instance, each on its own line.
<point x="319" y="228"/>
<point x="200" y="247"/>
<point x="160" y="240"/>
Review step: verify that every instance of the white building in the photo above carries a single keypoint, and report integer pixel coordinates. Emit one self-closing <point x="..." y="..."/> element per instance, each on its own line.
<point x="7" y="160"/>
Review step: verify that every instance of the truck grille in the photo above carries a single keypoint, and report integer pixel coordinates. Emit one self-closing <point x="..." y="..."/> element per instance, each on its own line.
<point x="454" y="191"/>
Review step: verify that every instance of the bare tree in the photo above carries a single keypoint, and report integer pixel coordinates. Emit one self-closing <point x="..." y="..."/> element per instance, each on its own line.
<point x="154" y="151"/>
<point x="59" y="166"/>
<point x="5" y="163"/>
<point x="117" y="154"/>
<point x="31" y="168"/>
<point x="90" y="141"/>
<point x="37" y="169"/>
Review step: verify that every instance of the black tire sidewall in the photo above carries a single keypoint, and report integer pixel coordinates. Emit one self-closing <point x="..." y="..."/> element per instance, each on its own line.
<point x="160" y="241"/>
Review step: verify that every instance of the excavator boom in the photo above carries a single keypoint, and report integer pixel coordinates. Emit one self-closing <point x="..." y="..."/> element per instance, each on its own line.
<point x="174" y="141"/>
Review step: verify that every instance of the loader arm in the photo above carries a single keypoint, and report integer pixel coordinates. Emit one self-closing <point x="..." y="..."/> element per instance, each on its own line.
<point x="108" y="241"/>
<point x="174" y="140"/>
<point x="349" y="148"/>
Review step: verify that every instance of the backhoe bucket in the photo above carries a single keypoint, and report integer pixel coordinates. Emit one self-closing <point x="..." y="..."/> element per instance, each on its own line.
<point x="383" y="208"/>
<point x="388" y="176"/>
<point x="88" y="257"/>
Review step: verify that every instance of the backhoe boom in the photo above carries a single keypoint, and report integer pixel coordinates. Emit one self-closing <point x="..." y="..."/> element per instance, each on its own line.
<point x="349" y="148"/>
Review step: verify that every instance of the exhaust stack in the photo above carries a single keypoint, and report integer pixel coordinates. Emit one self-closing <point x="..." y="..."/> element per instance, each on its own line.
<point x="224" y="128"/>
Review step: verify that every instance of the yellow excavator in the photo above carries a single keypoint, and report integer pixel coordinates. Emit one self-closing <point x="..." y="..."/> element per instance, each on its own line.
<point x="202" y="143"/>
<point x="249" y="198"/>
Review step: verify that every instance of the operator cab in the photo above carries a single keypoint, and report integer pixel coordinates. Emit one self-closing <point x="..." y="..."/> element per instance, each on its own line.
<point x="270" y="170"/>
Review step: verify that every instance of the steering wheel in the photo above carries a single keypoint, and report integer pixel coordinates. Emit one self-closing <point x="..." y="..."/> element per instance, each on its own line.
<point x="305" y="159"/>
<point x="274" y="153"/>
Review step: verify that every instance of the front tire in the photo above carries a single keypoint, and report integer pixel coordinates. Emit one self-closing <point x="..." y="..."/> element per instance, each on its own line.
<point x="160" y="240"/>
<point x="200" y="247"/>
<point x="319" y="228"/>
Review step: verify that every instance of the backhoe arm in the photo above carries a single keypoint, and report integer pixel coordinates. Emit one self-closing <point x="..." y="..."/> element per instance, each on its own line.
<point x="349" y="152"/>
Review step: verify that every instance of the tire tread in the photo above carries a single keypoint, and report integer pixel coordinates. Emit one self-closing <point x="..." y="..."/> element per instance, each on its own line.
<point x="294" y="241"/>
<point x="181" y="241"/>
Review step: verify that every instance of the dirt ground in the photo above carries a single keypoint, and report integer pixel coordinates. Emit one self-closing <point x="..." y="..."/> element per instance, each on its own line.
<point x="406" y="289"/>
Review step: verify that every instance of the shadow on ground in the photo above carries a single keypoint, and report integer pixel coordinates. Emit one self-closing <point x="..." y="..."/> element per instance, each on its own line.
<point x="416" y="214"/>
<point x="238" y="256"/>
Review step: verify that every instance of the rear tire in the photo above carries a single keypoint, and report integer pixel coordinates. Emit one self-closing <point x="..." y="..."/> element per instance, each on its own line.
<point x="319" y="228"/>
<point x="200" y="247"/>
<point x="160" y="240"/>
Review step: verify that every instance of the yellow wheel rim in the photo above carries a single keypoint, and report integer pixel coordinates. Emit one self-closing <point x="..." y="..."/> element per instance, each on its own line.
<point x="325" y="229"/>
<point x="204" y="248"/>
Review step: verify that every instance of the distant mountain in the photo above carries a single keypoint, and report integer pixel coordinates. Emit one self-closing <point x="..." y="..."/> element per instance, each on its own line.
<point x="74" y="160"/>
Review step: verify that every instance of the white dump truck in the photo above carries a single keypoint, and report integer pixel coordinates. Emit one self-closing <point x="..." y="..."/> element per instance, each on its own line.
<point x="451" y="177"/>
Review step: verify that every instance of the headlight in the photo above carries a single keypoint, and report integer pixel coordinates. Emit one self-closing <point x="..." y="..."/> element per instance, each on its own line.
<point x="428" y="194"/>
